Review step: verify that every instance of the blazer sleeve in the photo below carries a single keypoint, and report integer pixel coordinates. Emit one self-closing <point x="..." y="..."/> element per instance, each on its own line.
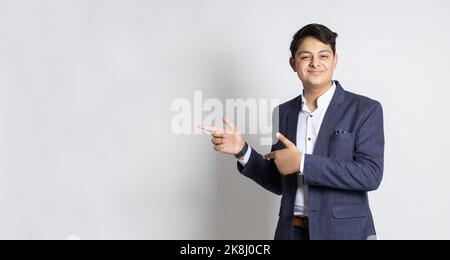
<point x="365" y="171"/>
<point x="264" y="172"/>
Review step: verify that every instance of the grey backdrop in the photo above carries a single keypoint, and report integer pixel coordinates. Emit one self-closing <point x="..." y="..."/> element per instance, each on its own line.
<point x="86" y="148"/>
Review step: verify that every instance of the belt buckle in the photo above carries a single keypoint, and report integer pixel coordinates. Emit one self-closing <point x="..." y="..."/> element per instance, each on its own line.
<point x="301" y="221"/>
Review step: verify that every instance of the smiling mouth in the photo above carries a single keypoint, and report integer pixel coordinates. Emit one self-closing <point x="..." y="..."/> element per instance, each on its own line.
<point x="315" y="72"/>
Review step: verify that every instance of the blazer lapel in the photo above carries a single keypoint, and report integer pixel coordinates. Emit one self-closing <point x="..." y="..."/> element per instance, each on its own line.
<point x="292" y="120"/>
<point x="330" y="121"/>
<point x="291" y="181"/>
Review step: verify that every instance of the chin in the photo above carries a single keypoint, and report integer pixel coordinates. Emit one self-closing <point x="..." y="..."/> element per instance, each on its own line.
<point x="317" y="82"/>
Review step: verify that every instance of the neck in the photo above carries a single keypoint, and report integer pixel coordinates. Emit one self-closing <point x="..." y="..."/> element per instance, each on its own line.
<point x="312" y="94"/>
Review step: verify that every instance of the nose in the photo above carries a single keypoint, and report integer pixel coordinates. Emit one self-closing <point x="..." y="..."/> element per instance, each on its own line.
<point x="314" y="63"/>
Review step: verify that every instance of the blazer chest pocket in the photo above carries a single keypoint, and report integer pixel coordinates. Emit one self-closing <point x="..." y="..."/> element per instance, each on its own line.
<point x="341" y="146"/>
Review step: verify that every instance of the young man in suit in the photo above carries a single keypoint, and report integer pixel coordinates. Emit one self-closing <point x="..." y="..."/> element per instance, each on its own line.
<point x="329" y="153"/>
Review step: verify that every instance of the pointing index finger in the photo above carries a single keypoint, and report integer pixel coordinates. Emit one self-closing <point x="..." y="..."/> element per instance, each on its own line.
<point x="211" y="129"/>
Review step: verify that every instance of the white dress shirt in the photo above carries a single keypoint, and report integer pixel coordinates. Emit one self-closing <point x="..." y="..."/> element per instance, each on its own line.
<point x="308" y="127"/>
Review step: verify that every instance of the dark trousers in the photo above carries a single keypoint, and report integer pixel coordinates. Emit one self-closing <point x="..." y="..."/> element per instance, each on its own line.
<point x="300" y="234"/>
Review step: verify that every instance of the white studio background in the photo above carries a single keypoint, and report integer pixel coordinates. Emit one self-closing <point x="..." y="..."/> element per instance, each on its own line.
<point x="86" y="148"/>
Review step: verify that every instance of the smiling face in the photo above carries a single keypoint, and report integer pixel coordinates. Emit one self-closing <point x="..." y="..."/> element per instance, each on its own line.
<point x="314" y="62"/>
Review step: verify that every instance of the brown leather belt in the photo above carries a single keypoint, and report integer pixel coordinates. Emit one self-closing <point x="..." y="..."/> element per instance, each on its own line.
<point x="300" y="222"/>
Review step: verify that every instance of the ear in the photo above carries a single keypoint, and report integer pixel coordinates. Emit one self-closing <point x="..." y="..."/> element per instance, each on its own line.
<point x="336" y="60"/>
<point x="292" y="63"/>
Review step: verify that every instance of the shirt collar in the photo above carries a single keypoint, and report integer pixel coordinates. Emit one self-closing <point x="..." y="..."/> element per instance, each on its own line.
<point x="322" y="101"/>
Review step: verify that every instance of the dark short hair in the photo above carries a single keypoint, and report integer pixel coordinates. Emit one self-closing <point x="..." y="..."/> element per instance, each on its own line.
<point x="318" y="31"/>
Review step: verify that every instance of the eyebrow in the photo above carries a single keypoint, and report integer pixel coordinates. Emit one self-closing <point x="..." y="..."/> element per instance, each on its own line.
<point x="302" y="52"/>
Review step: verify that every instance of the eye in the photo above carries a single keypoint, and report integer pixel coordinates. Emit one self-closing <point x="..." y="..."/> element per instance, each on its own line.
<point x="324" y="57"/>
<point x="304" y="57"/>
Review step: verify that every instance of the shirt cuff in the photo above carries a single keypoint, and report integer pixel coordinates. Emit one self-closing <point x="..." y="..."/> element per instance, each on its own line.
<point x="302" y="164"/>
<point x="246" y="157"/>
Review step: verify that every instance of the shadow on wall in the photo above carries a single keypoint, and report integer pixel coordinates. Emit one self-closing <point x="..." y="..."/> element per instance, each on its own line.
<point x="244" y="210"/>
